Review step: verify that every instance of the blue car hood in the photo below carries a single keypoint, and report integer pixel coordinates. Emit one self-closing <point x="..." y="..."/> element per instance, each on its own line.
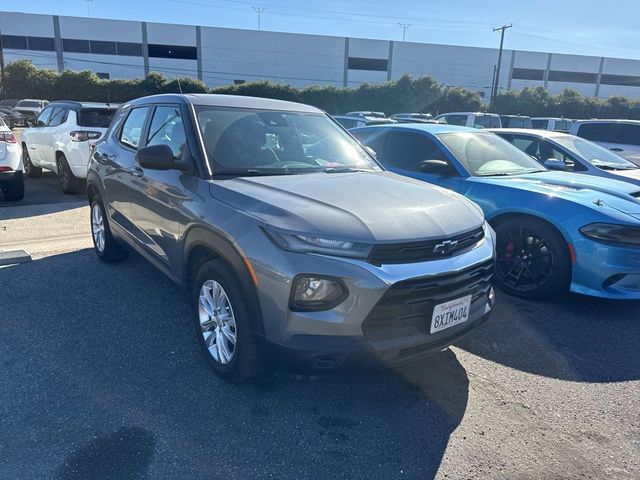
<point x="583" y="189"/>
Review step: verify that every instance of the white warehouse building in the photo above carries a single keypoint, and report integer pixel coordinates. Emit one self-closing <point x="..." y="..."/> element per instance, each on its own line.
<point x="218" y="56"/>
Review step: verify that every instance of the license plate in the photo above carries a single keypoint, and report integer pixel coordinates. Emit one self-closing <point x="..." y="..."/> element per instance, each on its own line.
<point x="451" y="313"/>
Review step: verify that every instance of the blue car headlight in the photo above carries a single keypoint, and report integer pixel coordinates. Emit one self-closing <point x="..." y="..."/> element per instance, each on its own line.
<point x="610" y="233"/>
<point x="306" y="243"/>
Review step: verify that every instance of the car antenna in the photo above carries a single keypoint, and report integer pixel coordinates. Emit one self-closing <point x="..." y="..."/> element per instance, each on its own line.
<point x="179" y="86"/>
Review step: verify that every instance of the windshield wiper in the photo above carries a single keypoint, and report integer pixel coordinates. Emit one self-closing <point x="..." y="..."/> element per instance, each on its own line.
<point x="241" y="172"/>
<point x="344" y="169"/>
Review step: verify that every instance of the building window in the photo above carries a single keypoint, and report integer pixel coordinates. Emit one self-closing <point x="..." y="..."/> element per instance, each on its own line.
<point x="76" y="46"/>
<point x="14" y="41"/>
<point x="621" y="80"/>
<point x="44" y="44"/>
<point x="372" y="64"/>
<point x="238" y="82"/>
<point x="173" y="51"/>
<point x="102" y="48"/>
<point x="102" y="75"/>
<point x="572" y="77"/>
<point x="129" y="49"/>
<point x="527" y="74"/>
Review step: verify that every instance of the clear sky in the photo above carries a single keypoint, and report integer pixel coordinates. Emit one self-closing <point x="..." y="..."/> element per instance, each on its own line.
<point x="589" y="27"/>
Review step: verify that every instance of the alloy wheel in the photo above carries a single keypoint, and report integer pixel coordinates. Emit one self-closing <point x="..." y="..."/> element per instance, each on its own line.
<point x="217" y="322"/>
<point x="97" y="227"/>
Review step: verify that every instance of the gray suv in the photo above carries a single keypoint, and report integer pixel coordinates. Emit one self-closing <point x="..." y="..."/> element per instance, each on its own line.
<point x="293" y="241"/>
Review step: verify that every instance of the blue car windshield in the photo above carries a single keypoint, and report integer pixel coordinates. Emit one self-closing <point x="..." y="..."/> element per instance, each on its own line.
<point x="243" y="141"/>
<point x="485" y="154"/>
<point x="594" y="154"/>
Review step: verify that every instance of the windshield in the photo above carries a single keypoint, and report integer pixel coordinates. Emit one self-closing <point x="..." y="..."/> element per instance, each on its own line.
<point x="594" y="154"/>
<point x="270" y="142"/>
<point x="486" y="154"/>
<point x="29" y="104"/>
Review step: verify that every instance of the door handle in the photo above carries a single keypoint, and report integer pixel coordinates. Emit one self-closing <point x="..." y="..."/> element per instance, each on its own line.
<point x="137" y="172"/>
<point x="616" y="149"/>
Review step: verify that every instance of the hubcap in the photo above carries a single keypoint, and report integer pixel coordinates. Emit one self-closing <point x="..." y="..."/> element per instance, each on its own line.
<point x="97" y="227"/>
<point x="217" y="322"/>
<point x="525" y="262"/>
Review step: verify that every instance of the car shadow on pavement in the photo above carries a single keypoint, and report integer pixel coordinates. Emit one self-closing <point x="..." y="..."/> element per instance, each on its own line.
<point x="576" y="338"/>
<point x="38" y="192"/>
<point x="100" y="367"/>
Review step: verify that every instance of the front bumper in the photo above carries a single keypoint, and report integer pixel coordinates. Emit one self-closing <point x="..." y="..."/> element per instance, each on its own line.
<point x="606" y="271"/>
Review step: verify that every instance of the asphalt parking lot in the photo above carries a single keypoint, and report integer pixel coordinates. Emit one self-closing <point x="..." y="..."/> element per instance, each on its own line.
<point x="102" y="377"/>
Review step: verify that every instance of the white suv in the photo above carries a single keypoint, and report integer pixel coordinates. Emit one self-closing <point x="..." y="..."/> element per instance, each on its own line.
<point x="552" y="124"/>
<point x="619" y="136"/>
<point x="11" y="181"/>
<point x="61" y="138"/>
<point x="471" y="119"/>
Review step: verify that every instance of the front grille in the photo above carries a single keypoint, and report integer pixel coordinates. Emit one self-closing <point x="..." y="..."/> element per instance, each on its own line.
<point x="406" y="308"/>
<point x="424" y="250"/>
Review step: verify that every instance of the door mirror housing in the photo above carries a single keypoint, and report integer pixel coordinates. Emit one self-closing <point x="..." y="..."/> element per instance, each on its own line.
<point x="157" y="157"/>
<point x="555" y="164"/>
<point x="436" y="167"/>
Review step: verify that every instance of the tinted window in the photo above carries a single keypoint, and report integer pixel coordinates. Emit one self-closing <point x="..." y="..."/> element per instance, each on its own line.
<point x="129" y="49"/>
<point x="629" y="134"/>
<point x="14" y="41"/>
<point x="539" y="124"/>
<point x="77" y="46"/>
<point x="103" y="48"/>
<point x="372" y="64"/>
<point x="374" y="139"/>
<point x="407" y="151"/>
<point x="528" y="74"/>
<point x="548" y="150"/>
<point x="167" y="129"/>
<point x="58" y="116"/>
<point x="43" y="118"/>
<point x="529" y="145"/>
<point x="133" y="125"/>
<point x="598" y="132"/>
<point x="454" y="119"/>
<point x="29" y="104"/>
<point x="486" y="121"/>
<point x="346" y="123"/>
<point x="44" y="44"/>
<point x="562" y="126"/>
<point x="173" y="51"/>
<point x="96" y="117"/>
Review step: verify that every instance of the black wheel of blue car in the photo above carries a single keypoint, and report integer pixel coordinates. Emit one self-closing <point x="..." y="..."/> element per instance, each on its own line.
<point x="532" y="258"/>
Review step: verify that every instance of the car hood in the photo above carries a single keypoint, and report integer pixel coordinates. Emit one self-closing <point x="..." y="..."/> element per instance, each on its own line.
<point x="361" y="207"/>
<point x="583" y="189"/>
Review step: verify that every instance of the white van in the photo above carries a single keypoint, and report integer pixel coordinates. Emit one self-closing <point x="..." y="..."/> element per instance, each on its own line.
<point x="471" y="119"/>
<point x="552" y="124"/>
<point x="619" y="136"/>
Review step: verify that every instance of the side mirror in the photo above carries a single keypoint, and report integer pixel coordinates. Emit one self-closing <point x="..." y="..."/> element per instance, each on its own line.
<point x="156" y="157"/>
<point x="555" y="164"/>
<point x="436" y="167"/>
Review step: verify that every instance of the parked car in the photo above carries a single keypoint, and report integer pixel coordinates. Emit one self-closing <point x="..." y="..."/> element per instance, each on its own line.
<point x="29" y="109"/>
<point x="8" y="103"/>
<point x="560" y="151"/>
<point x="9" y="116"/>
<point x="554" y="229"/>
<point x="11" y="180"/>
<point x="61" y="139"/>
<point x="366" y="114"/>
<point x="349" y="122"/>
<point x="471" y="119"/>
<point x="271" y="215"/>
<point x="413" y="118"/>
<point x="619" y="136"/>
<point x="515" y="121"/>
<point x="552" y="124"/>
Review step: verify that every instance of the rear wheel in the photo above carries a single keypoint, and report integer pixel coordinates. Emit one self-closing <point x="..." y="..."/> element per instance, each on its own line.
<point x="15" y="190"/>
<point x="223" y="323"/>
<point x="29" y="168"/>
<point x="69" y="183"/>
<point x="105" y="246"/>
<point x="532" y="258"/>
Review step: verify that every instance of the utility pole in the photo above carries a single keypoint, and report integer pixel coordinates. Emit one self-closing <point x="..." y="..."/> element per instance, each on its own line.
<point x="89" y="7"/>
<point x="404" y="27"/>
<point x="259" y="11"/>
<point x="496" y="87"/>
<point x="3" y="86"/>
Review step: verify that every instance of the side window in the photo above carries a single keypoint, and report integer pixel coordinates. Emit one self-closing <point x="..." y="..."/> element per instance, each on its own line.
<point x="629" y="134"/>
<point x="561" y="126"/>
<point x="44" y="116"/>
<point x="495" y="122"/>
<point x="407" y="151"/>
<point x="598" y="132"/>
<point x="132" y="128"/>
<point x="347" y="123"/>
<point x="373" y="139"/>
<point x="58" y="116"/>
<point x="460" y="120"/>
<point x="551" y="151"/>
<point x="167" y="129"/>
<point x="539" y="124"/>
<point x="530" y="146"/>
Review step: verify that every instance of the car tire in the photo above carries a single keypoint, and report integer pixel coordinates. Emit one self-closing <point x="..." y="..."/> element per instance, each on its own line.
<point x="14" y="192"/>
<point x="222" y="313"/>
<point x="29" y="168"/>
<point x="104" y="244"/>
<point x="69" y="183"/>
<point x="533" y="260"/>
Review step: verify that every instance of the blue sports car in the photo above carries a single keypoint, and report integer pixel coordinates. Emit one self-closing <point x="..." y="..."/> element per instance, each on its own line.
<point x="555" y="230"/>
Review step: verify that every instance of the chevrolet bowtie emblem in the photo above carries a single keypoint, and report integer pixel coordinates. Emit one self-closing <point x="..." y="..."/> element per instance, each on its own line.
<point x="445" y="247"/>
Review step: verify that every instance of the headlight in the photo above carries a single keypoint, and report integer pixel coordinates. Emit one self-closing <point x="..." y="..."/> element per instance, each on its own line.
<point x="313" y="292"/>
<point x="618" y="234"/>
<point x="303" y="243"/>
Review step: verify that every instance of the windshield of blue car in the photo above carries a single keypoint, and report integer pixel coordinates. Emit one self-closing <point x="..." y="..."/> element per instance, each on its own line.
<point x="486" y="154"/>
<point x="270" y="142"/>
<point x="594" y="154"/>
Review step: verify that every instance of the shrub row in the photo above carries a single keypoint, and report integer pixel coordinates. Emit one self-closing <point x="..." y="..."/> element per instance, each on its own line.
<point x="424" y="94"/>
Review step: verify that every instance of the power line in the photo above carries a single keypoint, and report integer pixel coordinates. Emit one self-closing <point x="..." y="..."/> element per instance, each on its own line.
<point x="259" y="11"/>
<point x="496" y="87"/>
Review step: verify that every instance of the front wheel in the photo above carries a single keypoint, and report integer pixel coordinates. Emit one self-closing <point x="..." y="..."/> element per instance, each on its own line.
<point x="532" y="259"/>
<point x="105" y="246"/>
<point x="223" y="323"/>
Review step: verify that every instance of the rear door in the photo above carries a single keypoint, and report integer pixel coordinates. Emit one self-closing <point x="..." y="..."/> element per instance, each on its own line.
<point x="627" y="141"/>
<point x="48" y="137"/>
<point x="604" y="134"/>
<point x="33" y="136"/>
